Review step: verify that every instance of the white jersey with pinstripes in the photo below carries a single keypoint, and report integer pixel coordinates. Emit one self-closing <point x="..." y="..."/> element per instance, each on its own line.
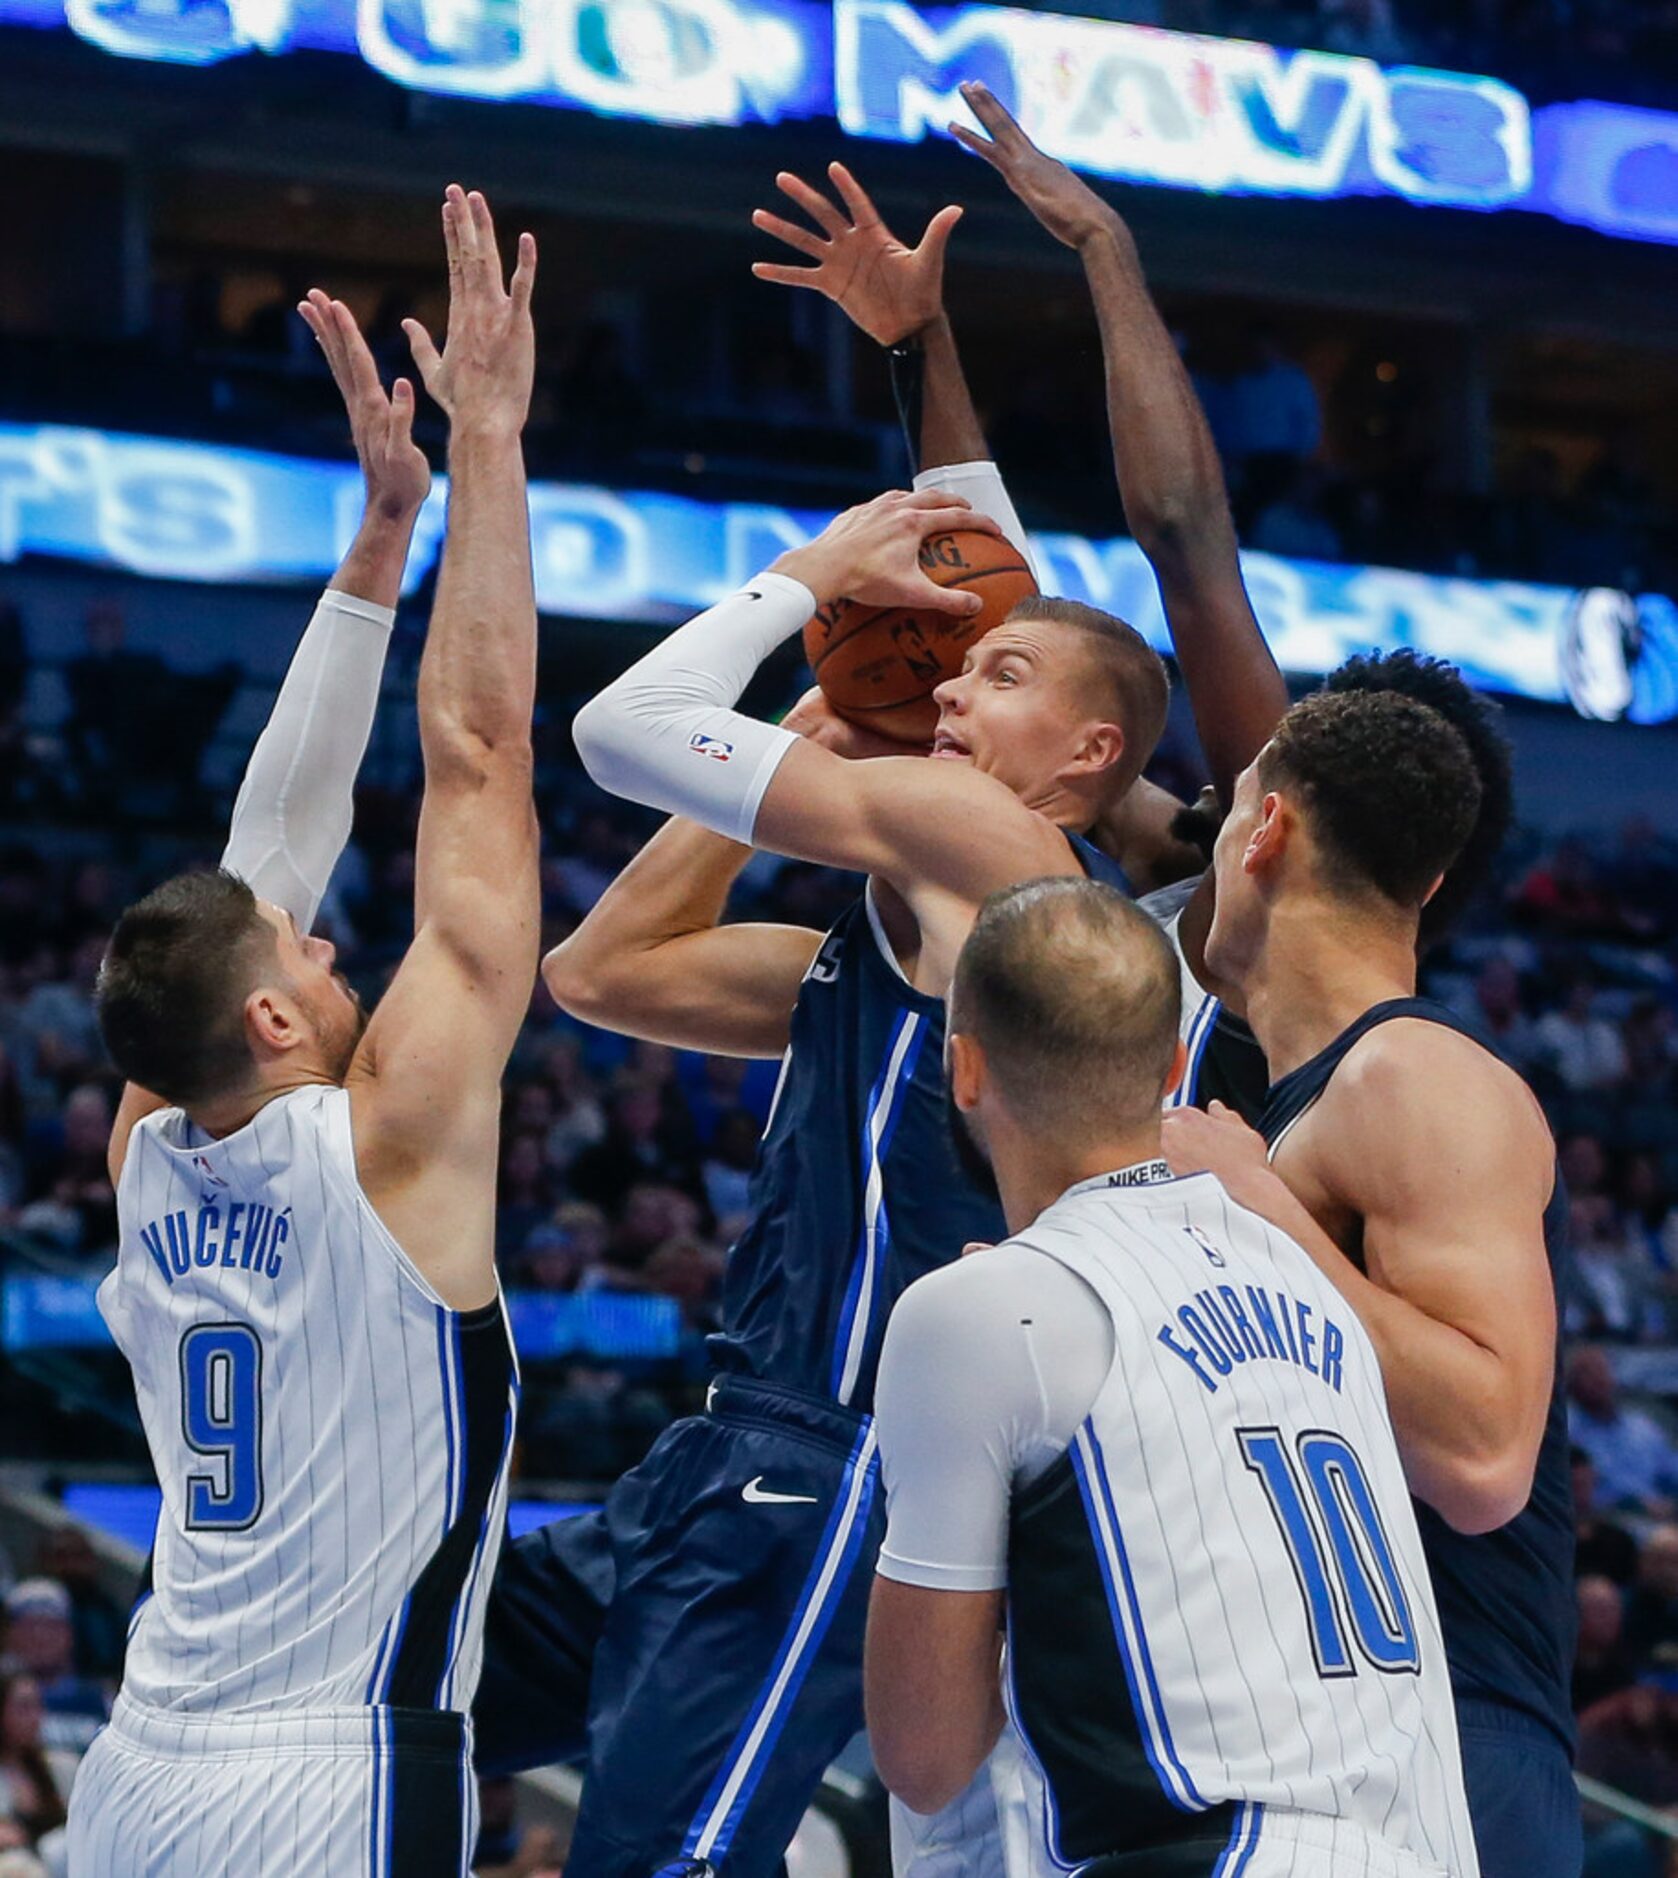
<point x="1243" y="1488"/>
<point x="305" y="1399"/>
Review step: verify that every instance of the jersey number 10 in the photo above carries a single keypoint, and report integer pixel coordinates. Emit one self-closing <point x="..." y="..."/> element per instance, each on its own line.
<point x="1345" y="1567"/>
<point x="221" y="1419"/>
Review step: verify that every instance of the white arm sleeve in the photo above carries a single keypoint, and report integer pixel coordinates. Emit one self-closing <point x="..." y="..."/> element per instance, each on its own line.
<point x="982" y="485"/>
<point x="666" y="733"/>
<point x="293" y="813"/>
<point x="987" y="1370"/>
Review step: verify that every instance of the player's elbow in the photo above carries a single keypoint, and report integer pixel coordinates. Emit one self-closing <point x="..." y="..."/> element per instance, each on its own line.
<point x="922" y="1779"/>
<point x="582" y="982"/>
<point x="598" y="732"/>
<point x="1482" y="1492"/>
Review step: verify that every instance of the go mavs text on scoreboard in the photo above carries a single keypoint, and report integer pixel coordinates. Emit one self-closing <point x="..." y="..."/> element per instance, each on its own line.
<point x="1132" y="102"/>
<point x="196" y="512"/>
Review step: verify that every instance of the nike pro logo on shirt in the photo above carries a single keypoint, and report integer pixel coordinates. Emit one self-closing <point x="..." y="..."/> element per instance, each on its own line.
<point x="754" y="1493"/>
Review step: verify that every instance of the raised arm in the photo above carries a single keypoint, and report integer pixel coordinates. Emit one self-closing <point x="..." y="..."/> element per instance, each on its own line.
<point x="1170" y="480"/>
<point x="895" y="294"/>
<point x="667" y="734"/>
<point x="426" y="1081"/>
<point x="1445" y="1156"/>
<point x="295" y="805"/>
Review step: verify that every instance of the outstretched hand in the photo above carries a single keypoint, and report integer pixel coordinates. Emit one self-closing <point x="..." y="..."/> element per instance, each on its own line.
<point x="886" y="289"/>
<point x="1066" y="206"/>
<point x="872" y="553"/>
<point x="393" y="466"/>
<point x="484" y="372"/>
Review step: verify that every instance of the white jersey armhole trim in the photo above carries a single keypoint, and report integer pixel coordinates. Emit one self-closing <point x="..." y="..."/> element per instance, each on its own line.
<point x="877" y="927"/>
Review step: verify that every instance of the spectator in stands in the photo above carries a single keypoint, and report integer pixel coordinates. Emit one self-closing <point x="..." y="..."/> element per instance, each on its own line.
<point x="1650" y="1050"/>
<point x="14" y="685"/>
<point x="1630" y="1740"/>
<point x="41" y="1640"/>
<point x="595" y="855"/>
<point x="634" y="1148"/>
<point x="689" y="1270"/>
<point x="652" y="1216"/>
<point x="727" y="1170"/>
<point x="526" y="1198"/>
<point x="1602" y="1549"/>
<point x="567" y="1252"/>
<point x="1634" y="1460"/>
<point x="75" y="1205"/>
<point x="1293" y="522"/>
<point x="578" y="1121"/>
<point x="1582" y="1049"/>
<point x="1271" y="421"/>
<point x="1651" y="1618"/>
<point x="1602" y="1664"/>
<point x="99" y="1622"/>
<point x="14" y="1168"/>
<point x="1648" y="1207"/>
<point x="56" y="1025"/>
<point x="28" y="1791"/>
<point x="1564" y="894"/>
<point x="1613" y="1285"/>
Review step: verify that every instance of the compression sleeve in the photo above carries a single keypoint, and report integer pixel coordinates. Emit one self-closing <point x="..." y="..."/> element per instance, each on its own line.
<point x="666" y="733"/>
<point x="294" y="809"/>
<point x="987" y="1370"/>
<point x="981" y="484"/>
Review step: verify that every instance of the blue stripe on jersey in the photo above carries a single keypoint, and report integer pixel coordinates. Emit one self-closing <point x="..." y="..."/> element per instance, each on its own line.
<point x="1201" y="1026"/>
<point x="724" y="1805"/>
<point x="885" y="1105"/>
<point x="1243" y="1841"/>
<point x="1126" y="1612"/>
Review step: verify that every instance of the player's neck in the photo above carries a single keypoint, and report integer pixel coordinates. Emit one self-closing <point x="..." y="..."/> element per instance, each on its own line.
<point x="1033" y="1174"/>
<point x="1319" y="969"/>
<point x="229" y="1114"/>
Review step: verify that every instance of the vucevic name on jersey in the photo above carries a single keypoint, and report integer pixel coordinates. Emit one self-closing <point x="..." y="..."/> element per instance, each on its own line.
<point x="331" y="1439"/>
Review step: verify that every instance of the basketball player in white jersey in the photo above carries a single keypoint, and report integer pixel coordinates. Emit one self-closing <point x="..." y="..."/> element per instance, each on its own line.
<point x="1147" y="1433"/>
<point x="305" y="1286"/>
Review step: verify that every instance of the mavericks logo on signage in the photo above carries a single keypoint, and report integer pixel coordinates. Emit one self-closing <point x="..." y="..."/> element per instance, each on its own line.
<point x="187" y="511"/>
<point x="1131" y="101"/>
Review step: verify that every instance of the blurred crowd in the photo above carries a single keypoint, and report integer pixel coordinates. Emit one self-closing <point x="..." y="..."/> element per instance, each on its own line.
<point x="624" y="1170"/>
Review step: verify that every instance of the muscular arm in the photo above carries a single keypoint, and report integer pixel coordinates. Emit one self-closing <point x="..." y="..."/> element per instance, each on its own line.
<point x="1444" y="1155"/>
<point x="1169" y="477"/>
<point x="426" y="1081"/>
<point x="294" y="809"/>
<point x="653" y="960"/>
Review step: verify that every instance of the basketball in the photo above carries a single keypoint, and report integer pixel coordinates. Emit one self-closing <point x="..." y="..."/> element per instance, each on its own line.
<point x="878" y="666"/>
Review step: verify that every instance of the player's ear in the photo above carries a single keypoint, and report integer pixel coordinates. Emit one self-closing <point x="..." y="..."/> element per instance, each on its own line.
<point x="1438" y="882"/>
<point x="1179" y="1069"/>
<point x="966" y="1062"/>
<point x="273" y="1022"/>
<point x="1101" y="750"/>
<point x="1269" y="839"/>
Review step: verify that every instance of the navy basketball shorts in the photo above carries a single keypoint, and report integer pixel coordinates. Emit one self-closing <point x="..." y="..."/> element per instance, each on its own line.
<point x="714" y="1612"/>
<point x="1521" y="1795"/>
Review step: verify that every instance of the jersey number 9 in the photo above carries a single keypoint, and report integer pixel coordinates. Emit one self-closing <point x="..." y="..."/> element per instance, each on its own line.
<point x="221" y="1419"/>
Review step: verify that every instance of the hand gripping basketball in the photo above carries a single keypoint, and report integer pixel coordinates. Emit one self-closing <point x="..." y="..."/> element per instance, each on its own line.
<point x="891" y="633"/>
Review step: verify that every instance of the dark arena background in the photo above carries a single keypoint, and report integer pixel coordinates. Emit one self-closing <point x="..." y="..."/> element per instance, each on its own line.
<point x="1420" y="259"/>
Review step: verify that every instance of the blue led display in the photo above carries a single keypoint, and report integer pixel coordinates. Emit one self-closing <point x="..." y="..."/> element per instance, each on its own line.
<point x="1177" y="109"/>
<point x="190" y="511"/>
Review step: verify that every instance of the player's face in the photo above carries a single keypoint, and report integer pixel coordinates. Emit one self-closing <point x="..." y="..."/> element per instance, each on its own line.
<point x="1238" y="910"/>
<point x="1019" y="710"/>
<point x="330" y="1007"/>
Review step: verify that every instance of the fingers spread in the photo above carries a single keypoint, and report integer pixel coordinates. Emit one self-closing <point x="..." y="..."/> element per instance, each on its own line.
<point x="991" y="112"/>
<point x="524" y="274"/>
<point x="425" y="353"/>
<point x="362" y="375"/>
<point x="786" y="276"/>
<point x="969" y="140"/>
<point x="855" y="198"/>
<point x="939" y="230"/>
<point x="812" y="202"/>
<point x="789" y="232"/>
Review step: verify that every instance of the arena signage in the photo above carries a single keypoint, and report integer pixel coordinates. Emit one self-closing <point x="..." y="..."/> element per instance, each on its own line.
<point x="187" y="511"/>
<point x="1175" y="109"/>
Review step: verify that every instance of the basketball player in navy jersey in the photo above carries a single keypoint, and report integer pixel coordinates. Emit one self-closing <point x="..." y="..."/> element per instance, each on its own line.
<point x="1417" y="1169"/>
<point x="856" y="1191"/>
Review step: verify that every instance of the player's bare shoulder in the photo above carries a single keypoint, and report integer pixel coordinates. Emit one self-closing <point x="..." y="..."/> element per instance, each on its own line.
<point x="1413" y="1094"/>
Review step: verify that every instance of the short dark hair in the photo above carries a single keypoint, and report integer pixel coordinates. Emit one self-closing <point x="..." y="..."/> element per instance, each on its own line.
<point x="1073" y="994"/>
<point x="1131" y="673"/>
<point x="172" y="989"/>
<point x="1388" y="787"/>
<point x="1442" y="688"/>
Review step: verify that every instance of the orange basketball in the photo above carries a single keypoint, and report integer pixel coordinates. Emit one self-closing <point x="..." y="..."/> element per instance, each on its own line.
<point x="878" y="665"/>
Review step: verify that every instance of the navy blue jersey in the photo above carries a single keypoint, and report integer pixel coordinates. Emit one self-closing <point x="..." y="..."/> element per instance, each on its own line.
<point x="857" y="1191"/>
<point x="1506" y="1600"/>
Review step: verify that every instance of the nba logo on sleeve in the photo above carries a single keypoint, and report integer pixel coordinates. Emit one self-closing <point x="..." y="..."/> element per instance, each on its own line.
<point x="717" y="748"/>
